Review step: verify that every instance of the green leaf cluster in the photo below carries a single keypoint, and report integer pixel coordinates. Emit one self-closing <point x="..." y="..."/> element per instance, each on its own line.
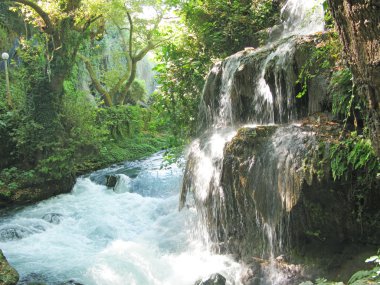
<point x="362" y="277"/>
<point x="206" y="31"/>
<point x="353" y="159"/>
<point x="325" y="57"/>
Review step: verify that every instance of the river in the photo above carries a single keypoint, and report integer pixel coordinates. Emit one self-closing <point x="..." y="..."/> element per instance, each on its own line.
<point x="133" y="234"/>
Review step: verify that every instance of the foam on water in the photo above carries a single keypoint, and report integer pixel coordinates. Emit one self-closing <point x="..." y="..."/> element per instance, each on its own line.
<point x="134" y="235"/>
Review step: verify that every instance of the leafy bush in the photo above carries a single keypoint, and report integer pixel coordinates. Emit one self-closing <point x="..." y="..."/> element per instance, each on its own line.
<point x="208" y="31"/>
<point x="353" y="159"/>
<point x="361" y="277"/>
<point x="324" y="58"/>
<point x="225" y="27"/>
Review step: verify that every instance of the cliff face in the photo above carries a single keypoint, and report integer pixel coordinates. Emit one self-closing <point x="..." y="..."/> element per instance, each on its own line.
<point x="275" y="192"/>
<point x="358" y="23"/>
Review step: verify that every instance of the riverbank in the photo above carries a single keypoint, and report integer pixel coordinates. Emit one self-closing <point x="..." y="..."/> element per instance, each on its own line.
<point x="17" y="189"/>
<point x="8" y="275"/>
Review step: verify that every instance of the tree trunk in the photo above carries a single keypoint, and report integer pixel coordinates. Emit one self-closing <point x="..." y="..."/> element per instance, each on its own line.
<point x="358" y="23"/>
<point x="47" y="89"/>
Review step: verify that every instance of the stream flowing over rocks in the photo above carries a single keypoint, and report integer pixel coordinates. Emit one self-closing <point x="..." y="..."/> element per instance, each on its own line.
<point x="258" y="205"/>
<point x="131" y="233"/>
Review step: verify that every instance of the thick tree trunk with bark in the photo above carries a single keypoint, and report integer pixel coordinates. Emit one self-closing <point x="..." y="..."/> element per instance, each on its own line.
<point x="358" y="23"/>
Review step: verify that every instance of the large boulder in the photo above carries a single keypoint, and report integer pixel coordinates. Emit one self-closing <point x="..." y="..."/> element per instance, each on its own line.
<point x="35" y="193"/>
<point x="214" y="279"/>
<point x="8" y="275"/>
<point x="275" y="194"/>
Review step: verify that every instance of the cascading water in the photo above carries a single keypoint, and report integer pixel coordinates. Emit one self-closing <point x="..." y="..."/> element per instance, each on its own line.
<point x="235" y="187"/>
<point x="132" y="234"/>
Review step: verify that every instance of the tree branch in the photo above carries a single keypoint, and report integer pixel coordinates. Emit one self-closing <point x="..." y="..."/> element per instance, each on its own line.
<point x="144" y="51"/>
<point x="127" y="86"/>
<point x="103" y="92"/>
<point x="124" y="78"/>
<point x="130" y="33"/>
<point x="90" y="21"/>
<point x="49" y="29"/>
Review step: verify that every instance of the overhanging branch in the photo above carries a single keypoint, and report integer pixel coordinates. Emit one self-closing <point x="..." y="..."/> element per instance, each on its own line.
<point x="49" y="27"/>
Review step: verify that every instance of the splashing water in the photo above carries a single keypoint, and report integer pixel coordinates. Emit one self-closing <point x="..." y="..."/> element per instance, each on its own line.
<point x="133" y="235"/>
<point x="272" y="102"/>
<point x="302" y="17"/>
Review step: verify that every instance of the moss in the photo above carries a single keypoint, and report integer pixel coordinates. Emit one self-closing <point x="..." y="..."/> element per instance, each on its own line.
<point x="8" y="275"/>
<point x="246" y="138"/>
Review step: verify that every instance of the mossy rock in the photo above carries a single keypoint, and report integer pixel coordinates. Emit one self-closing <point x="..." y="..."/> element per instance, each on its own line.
<point x="8" y="275"/>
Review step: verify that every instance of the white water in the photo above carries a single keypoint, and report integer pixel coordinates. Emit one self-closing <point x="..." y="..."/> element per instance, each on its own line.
<point x="225" y="109"/>
<point x="132" y="236"/>
<point x="135" y="235"/>
<point x="300" y="17"/>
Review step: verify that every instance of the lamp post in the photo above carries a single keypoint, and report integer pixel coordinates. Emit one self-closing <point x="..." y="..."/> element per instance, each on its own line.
<point x="5" y="57"/>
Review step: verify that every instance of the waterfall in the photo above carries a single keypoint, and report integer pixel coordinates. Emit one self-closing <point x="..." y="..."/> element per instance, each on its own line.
<point x="245" y="172"/>
<point x="257" y="85"/>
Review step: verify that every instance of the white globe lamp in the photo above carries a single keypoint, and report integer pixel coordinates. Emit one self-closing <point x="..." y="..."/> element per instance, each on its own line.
<point x="5" y="56"/>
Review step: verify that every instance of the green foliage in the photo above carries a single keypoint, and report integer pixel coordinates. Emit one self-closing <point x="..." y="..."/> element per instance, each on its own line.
<point x="346" y="104"/>
<point x="132" y="148"/>
<point x="180" y="76"/>
<point x="341" y="90"/>
<point x="15" y="178"/>
<point x="371" y="276"/>
<point x="116" y="119"/>
<point x="325" y="57"/>
<point x="225" y="27"/>
<point x="362" y="277"/>
<point x="55" y="131"/>
<point x="354" y="154"/>
<point x="353" y="159"/>
<point x="137" y="92"/>
<point x="208" y="31"/>
<point x="329" y="20"/>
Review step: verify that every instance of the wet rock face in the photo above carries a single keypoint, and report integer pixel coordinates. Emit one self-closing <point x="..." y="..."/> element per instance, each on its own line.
<point x="35" y="193"/>
<point x="269" y="199"/>
<point x="8" y="276"/>
<point x="262" y="178"/>
<point x="18" y="231"/>
<point x="214" y="279"/>
<point x="262" y="84"/>
<point x="263" y="272"/>
<point x="33" y="278"/>
<point x="111" y="180"/>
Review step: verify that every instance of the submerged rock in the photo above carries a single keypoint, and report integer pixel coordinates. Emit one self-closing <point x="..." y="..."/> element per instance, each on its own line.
<point x="53" y="218"/>
<point x="275" y="271"/>
<point x="33" y="279"/>
<point x="71" y="282"/>
<point x="14" y="233"/>
<point x="214" y="279"/>
<point x="8" y="275"/>
<point x="111" y="180"/>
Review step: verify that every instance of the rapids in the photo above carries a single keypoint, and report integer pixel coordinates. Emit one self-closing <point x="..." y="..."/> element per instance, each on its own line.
<point x="95" y="235"/>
